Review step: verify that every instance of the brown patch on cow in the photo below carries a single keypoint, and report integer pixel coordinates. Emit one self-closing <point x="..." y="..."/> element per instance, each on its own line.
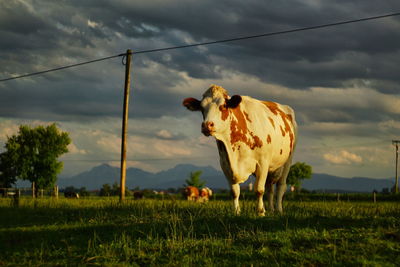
<point x="239" y="130"/>
<point x="247" y="116"/>
<point x="281" y="152"/>
<point x="269" y="139"/>
<point x="285" y="118"/>
<point x="274" y="108"/>
<point x="290" y="117"/>
<point x="257" y="140"/>
<point x="224" y="112"/>
<point x="272" y="122"/>
<point x="192" y="193"/>
<point x="283" y="131"/>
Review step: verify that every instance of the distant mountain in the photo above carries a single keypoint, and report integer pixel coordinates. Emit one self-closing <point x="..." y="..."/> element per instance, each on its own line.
<point x="356" y="184"/>
<point x="92" y="179"/>
<point x="172" y="178"/>
<point x="175" y="177"/>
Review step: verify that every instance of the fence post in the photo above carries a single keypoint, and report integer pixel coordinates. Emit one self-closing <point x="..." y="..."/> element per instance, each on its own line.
<point x="56" y="191"/>
<point x="374" y="195"/>
<point x="16" y="198"/>
<point x="33" y="190"/>
<point x="338" y="197"/>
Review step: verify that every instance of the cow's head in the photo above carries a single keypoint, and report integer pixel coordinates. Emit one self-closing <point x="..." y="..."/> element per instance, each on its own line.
<point x="215" y="107"/>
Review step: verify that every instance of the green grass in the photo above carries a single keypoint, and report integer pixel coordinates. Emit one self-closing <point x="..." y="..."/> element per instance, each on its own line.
<point x="100" y="231"/>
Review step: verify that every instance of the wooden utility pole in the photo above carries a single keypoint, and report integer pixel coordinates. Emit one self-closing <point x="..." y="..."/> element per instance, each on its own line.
<point x="125" y="124"/>
<point x="396" y="184"/>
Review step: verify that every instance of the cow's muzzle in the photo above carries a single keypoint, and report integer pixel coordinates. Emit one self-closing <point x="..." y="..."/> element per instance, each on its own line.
<point x="207" y="128"/>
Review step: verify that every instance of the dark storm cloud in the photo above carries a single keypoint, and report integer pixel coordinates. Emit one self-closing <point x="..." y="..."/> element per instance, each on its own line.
<point x="44" y="34"/>
<point x="15" y="18"/>
<point x="297" y="60"/>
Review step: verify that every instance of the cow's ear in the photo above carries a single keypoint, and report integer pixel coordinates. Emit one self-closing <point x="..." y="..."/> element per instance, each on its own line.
<point x="192" y="104"/>
<point x="234" y="101"/>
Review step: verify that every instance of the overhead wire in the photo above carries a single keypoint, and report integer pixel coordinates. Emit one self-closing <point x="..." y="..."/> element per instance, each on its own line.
<point x="206" y="43"/>
<point x="61" y="68"/>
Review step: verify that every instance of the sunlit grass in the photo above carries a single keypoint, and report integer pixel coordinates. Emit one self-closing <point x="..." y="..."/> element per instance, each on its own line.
<point x="101" y="231"/>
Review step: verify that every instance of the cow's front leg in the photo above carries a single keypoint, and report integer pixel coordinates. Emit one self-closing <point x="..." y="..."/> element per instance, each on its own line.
<point x="236" y="194"/>
<point x="259" y="189"/>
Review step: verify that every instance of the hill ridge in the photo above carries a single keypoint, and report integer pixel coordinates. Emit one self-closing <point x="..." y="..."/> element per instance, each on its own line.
<point x="175" y="177"/>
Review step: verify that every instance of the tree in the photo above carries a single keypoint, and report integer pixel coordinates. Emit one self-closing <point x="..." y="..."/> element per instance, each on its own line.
<point x="7" y="175"/>
<point x="114" y="190"/>
<point x="194" y="179"/>
<point x="105" y="190"/>
<point x="83" y="192"/>
<point x="32" y="155"/>
<point x="298" y="172"/>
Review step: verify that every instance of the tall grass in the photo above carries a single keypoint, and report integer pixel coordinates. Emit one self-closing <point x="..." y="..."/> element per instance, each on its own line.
<point x="101" y="231"/>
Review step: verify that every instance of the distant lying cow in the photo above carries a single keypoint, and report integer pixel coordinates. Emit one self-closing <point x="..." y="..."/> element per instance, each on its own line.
<point x="191" y="193"/>
<point x="138" y="195"/>
<point x="253" y="137"/>
<point x="71" y="195"/>
<point x="205" y="194"/>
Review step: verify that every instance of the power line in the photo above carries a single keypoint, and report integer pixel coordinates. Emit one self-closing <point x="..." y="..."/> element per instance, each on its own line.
<point x="61" y="68"/>
<point x="209" y="43"/>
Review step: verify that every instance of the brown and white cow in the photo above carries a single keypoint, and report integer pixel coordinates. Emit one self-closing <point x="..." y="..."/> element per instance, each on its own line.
<point x="253" y="137"/>
<point x="205" y="194"/>
<point x="191" y="193"/>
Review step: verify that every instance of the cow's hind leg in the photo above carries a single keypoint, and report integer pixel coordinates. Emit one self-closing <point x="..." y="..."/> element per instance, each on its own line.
<point x="236" y="193"/>
<point x="281" y="185"/>
<point x="270" y="196"/>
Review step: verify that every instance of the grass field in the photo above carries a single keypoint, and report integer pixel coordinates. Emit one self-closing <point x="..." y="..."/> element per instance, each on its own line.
<point x="100" y="231"/>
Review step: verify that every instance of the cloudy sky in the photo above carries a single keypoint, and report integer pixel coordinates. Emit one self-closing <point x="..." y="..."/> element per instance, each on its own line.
<point x="343" y="82"/>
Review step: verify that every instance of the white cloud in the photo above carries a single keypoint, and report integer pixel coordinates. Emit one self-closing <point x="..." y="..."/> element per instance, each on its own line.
<point x="73" y="149"/>
<point x="7" y="129"/>
<point x="109" y="144"/>
<point x="172" y="149"/>
<point x="92" y="24"/>
<point x="164" y="134"/>
<point x="343" y="157"/>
